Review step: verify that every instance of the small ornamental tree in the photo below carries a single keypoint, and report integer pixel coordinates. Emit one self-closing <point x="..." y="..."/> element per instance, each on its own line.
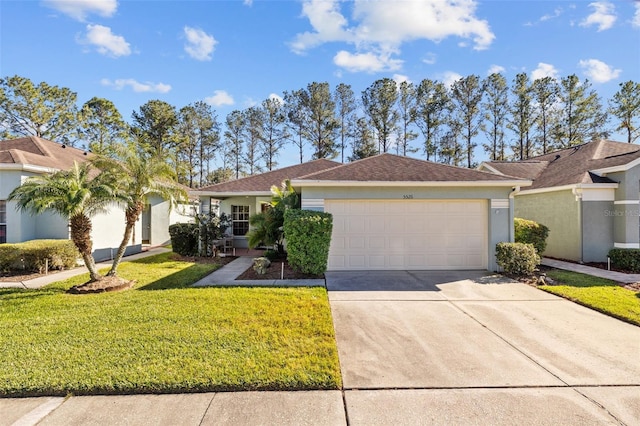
<point x="308" y="236"/>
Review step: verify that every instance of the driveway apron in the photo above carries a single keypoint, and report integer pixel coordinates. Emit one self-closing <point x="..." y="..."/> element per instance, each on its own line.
<point x="487" y="345"/>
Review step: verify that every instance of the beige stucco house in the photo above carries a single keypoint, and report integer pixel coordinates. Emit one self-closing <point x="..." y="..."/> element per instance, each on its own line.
<point x="390" y="212"/>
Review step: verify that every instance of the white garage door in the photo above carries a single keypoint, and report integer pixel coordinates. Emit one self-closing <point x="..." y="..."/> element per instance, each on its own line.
<point x="408" y="234"/>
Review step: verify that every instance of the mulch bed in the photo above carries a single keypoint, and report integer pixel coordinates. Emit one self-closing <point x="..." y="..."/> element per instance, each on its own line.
<point x="274" y="273"/>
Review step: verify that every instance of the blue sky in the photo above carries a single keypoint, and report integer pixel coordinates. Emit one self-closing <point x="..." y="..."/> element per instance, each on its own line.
<point x="233" y="54"/>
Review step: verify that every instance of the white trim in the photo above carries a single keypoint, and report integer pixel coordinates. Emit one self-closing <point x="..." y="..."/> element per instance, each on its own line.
<point x="311" y="203"/>
<point x="228" y="194"/>
<point x="28" y="168"/>
<point x="570" y="187"/>
<point x="489" y="168"/>
<point x="343" y="183"/>
<point x="627" y="245"/>
<point x="598" y="194"/>
<point x="627" y="202"/>
<point x="620" y="168"/>
<point x="499" y="203"/>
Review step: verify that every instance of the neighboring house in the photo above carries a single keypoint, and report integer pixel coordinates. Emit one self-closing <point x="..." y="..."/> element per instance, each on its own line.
<point x="588" y="196"/>
<point x="158" y="215"/>
<point x="243" y="197"/>
<point x="392" y="212"/>
<point x="30" y="156"/>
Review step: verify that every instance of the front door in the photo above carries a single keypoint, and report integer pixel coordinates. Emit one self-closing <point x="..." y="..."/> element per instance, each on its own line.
<point x="146" y="224"/>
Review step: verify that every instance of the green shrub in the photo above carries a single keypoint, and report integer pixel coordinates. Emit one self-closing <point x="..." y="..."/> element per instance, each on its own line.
<point x="184" y="238"/>
<point x="530" y="232"/>
<point x="308" y="235"/>
<point x="38" y="255"/>
<point x="626" y="259"/>
<point x="517" y="258"/>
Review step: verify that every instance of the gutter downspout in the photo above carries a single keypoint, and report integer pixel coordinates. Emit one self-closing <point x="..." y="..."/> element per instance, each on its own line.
<point x="512" y="195"/>
<point x="577" y="191"/>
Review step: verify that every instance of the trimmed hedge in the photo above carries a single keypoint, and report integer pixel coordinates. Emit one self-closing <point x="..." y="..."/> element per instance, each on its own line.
<point x="308" y="235"/>
<point x="531" y="232"/>
<point x="626" y="259"/>
<point x="184" y="238"/>
<point x="517" y="258"/>
<point x="36" y="255"/>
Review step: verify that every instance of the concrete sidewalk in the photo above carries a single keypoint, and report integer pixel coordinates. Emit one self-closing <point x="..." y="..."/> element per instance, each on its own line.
<point x="63" y="275"/>
<point x="620" y="277"/>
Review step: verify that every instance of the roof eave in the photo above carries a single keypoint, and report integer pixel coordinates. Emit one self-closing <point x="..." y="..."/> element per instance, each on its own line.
<point x="27" y="168"/>
<point x="228" y="194"/>
<point x="569" y="187"/>
<point x="618" y="168"/>
<point x="478" y="183"/>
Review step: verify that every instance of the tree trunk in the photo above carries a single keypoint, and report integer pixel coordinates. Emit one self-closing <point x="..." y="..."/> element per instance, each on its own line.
<point x="131" y="217"/>
<point x="81" y="237"/>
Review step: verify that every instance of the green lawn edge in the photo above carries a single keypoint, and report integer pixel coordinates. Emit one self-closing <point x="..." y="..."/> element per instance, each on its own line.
<point x="165" y="337"/>
<point x="599" y="294"/>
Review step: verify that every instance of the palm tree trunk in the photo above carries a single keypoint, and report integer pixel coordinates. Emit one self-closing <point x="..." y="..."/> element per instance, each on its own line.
<point x="132" y="213"/>
<point x="81" y="237"/>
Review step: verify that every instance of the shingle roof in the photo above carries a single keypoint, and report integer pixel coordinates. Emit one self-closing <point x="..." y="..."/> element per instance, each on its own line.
<point x="264" y="181"/>
<point x="393" y="168"/>
<point x="572" y="165"/>
<point x="34" y="151"/>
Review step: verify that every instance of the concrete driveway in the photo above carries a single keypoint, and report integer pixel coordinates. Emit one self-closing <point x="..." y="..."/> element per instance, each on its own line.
<point x="467" y="347"/>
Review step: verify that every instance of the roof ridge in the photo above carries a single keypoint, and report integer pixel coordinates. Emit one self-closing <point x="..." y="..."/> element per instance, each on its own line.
<point x="41" y="146"/>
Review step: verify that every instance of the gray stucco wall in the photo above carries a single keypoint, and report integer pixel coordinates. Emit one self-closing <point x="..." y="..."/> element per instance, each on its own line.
<point x="499" y="226"/>
<point x="560" y="212"/>
<point x="597" y="225"/>
<point x="626" y="216"/>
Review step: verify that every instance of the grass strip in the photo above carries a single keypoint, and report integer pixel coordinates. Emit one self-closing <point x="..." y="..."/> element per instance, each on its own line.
<point x="164" y="337"/>
<point x="603" y="295"/>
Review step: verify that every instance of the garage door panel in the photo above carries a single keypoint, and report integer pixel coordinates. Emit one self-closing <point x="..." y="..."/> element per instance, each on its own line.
<point x="408" y="234"/>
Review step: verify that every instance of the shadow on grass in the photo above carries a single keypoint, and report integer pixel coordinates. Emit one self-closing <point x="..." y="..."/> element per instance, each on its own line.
<point x="181" y="279"/>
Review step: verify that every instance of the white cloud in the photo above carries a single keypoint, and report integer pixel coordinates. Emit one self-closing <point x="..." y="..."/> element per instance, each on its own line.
<point x="430" y="58"/>
<point x="544" y="70"/>
<point x="105" y="41"/>
<point x="136" y="86"/>
<point x="636" y="17"/>
<point x="495" y="69"/>
<point x="449" y="77"/>
<point x="200" y="45"/>
<point x="80" y="9"/>
<point x="598" y="71"/>
<point x="248" y="3"/>
<point x="367" y="62"/>
<point x="556" y="14"/>
<point x="399" y="78"/>
<point x="603" y="16"/>
<point x="276" y="97"/>
<point x="219" y="98"/>
<point x="379" y="28"/>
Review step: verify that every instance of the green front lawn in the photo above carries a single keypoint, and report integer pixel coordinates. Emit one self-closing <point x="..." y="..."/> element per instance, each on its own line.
<point x="164" y="337"/>
<point x="597" y="293"/>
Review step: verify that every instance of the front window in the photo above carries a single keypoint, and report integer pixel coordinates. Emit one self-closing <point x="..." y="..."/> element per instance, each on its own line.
<point x="240" y="219"/>
<point x="3" y="221"/>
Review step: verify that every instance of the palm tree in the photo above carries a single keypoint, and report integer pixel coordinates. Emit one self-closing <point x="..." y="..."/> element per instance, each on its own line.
<point x="139" y="176"/>
<point x="77" y="195"/>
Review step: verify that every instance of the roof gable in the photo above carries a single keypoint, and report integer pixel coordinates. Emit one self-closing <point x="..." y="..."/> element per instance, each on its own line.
<point x="263" y="182"/>
<point x="393" y="168"/>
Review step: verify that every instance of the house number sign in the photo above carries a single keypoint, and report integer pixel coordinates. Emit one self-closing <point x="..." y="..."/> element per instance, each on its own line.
<point x="407" y="196"/>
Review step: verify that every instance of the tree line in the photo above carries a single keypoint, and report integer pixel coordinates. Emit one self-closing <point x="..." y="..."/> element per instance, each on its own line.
<point x="511" y="121"/>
